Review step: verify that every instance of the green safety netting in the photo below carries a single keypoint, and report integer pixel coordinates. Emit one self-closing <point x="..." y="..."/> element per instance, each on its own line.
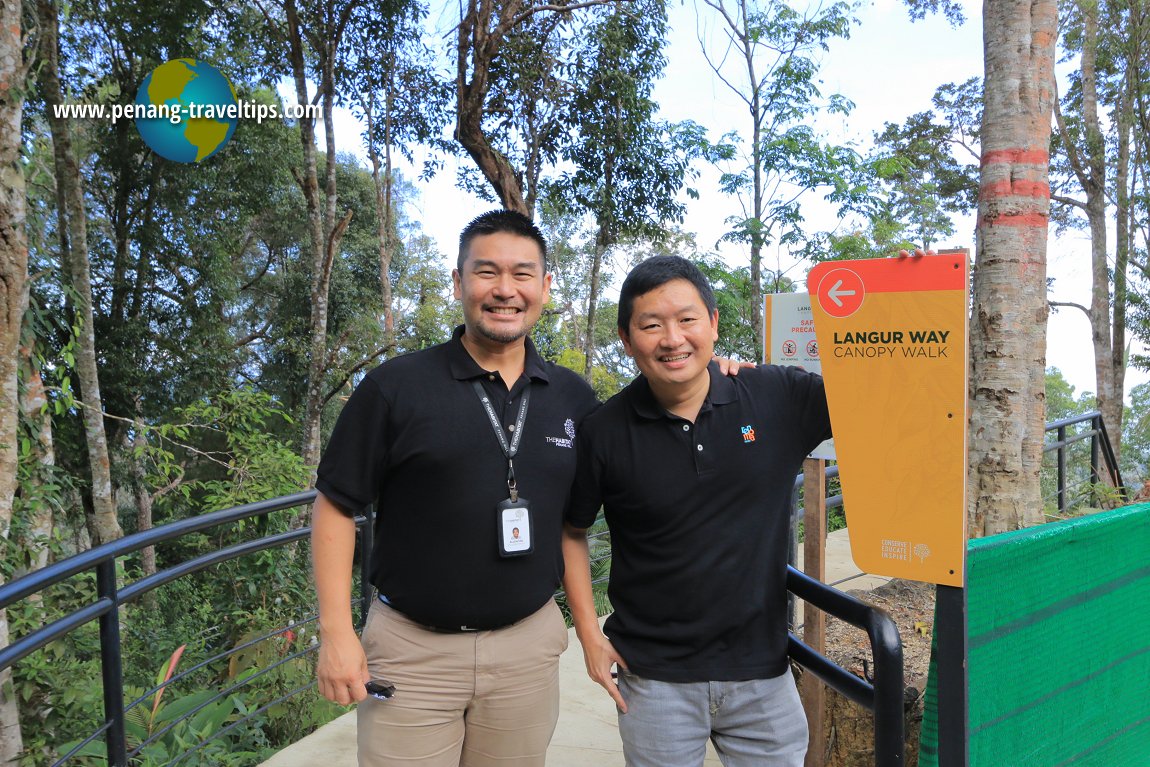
<point x="1058" y="622"/>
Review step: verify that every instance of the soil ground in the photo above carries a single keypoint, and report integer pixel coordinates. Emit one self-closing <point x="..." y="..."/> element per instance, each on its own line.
<point x="848" y="728"/>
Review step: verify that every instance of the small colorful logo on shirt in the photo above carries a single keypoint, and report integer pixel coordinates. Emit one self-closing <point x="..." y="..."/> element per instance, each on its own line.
<point x="569" y="429"/>
<point x="748" y="434"/>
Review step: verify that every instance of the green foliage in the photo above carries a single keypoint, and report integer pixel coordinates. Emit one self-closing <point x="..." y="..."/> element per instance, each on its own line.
<point x="929" y="167"/>
<point x="392" y="76"/>
<point x="732" y="288"/>
<point x="599" y="554"/>
<point x="628" y="167"/>
<point x="228" y="444"/>
<point x="605" y="383"/>
<point x="238" y="609"/>
<point x="1061" y="402"/>
<point x="951" y="9"/>
<point x="59" y="687"/>
<point x="1135" y="458"/>
<point x="780" y="152"/>
<point x="259" y="465"/>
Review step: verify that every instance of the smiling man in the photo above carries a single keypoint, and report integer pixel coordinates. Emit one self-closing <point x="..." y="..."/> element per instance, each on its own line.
<point x="694" y="472"/>
<point x="465" y="450"/>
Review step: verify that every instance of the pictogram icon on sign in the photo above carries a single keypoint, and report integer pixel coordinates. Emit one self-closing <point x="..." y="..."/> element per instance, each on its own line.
<point x="841" y="293"/>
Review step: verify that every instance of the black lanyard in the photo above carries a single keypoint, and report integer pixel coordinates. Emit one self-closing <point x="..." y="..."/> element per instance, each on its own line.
<point x="513" y="448"/>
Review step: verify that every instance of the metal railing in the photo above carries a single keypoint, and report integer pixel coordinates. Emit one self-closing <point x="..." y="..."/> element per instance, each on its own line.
<point x="883" y="693"/>
<point x="105" y="561"/>
<point x="1101" y="450"/>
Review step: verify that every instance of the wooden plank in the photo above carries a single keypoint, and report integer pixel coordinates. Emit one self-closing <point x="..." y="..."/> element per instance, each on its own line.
<point x="814" y="620"/>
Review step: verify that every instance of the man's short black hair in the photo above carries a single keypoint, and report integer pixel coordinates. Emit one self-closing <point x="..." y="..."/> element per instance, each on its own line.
<point x="656" y="271"/>
<point x="495" y="221"/>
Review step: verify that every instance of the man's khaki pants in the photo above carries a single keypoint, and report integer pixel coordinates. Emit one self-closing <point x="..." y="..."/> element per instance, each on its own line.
<point x="471" y="699"/>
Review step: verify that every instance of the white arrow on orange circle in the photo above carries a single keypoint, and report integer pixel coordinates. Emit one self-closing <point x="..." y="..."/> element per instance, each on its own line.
<point x="834" y="293"/>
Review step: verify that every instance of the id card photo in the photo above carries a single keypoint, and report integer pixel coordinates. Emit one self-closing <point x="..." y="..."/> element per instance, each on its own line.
<point x="516" y="530"/>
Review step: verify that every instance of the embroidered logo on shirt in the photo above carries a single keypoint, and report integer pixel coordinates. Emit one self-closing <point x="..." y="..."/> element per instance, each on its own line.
<point x="569" y="440"/>
<point x="748" y="434"/>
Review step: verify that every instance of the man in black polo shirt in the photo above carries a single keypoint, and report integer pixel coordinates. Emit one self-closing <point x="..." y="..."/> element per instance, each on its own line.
<point x="694" y="471"/>
<point x="468" y="450"/>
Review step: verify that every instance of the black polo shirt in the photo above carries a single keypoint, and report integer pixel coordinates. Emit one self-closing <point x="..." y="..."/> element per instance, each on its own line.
<point x="699" y="520"/>
<point x="414" y="436"/>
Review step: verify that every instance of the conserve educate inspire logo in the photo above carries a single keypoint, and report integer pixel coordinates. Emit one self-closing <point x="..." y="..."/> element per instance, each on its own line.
<point x="186" y="110"/>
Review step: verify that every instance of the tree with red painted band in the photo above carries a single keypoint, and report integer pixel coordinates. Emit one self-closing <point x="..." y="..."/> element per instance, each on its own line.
<point x="1008" y="324"/>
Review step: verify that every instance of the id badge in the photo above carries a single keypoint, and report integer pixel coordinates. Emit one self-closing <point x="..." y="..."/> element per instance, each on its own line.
<point x="513" y="519"/>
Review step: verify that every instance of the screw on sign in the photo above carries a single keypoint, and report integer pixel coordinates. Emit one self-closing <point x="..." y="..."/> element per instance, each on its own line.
<point x="841" y="293"/>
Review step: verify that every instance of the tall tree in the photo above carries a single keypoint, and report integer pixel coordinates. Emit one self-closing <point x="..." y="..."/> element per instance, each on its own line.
<point x="13" y="302"/>
<point x="628" y="166"/>
<point x="1094" y="173"/>
<point x="1137" y="230"/>
<point x="402" y="101"/>
<point x="73" y="241"/>
<point x="769" y="61"/>
<point x="1008" y="325"/>
<point x="313" y="34"/>
<point x="483" y="32"/>
<point x="928" y="183"/>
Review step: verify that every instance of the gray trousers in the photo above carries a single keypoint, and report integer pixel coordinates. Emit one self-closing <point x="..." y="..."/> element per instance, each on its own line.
<point x="753" y="723"/>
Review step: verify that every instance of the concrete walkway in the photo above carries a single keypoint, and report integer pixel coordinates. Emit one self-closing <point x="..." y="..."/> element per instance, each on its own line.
<point x="587" y="734"/>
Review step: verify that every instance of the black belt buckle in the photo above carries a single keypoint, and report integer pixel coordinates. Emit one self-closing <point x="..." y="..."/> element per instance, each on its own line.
<point x="433" y="629"/>
<point x="450" y="629"/>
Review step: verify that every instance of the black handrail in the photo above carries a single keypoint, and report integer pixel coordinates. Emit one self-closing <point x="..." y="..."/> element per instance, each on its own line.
<point x="103" y="561"/>
<point x="1101" y="451"/>
<point x="885" y="696"/>
<point x="104" y="608"/>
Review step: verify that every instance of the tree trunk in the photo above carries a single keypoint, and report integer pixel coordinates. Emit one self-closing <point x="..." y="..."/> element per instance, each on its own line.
<point x="1008" y="326"/>
<point x="1122" y="247"/>
<point x="33" y="404"/>
<point x="324" y="233"/>
<point x="758" y="331"/>
<point x="478" y="45"/>
<point x="1094" y="183"/>
<point x="592" y="305"/>
<point x="144" y="503"/>
<point x="74" y="253"/>
<point x="13" y="302"/>
<point x="383" y="214"/>
<point x="309" y="183"/>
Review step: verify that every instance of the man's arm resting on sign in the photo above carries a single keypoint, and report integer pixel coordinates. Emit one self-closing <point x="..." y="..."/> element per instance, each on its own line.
<point x="598" y="652"/>
<point x="342" y="667"/>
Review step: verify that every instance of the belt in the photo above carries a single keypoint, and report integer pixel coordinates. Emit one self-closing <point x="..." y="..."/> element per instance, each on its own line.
<point x="438" y="629"/>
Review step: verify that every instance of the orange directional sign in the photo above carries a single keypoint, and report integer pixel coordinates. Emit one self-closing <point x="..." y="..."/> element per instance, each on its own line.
<point x="841" y="292"/>
<point x="892" y="336"/>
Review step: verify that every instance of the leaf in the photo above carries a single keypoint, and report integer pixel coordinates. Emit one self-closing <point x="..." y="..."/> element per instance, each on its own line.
<point x="93" y="750"/>
<point x="181" y="706"/>
<point x="164" y="676"/>
<point x="212" y="717"/>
